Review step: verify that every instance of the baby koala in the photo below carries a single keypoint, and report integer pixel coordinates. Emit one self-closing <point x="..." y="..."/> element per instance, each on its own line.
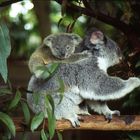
<point x="56" y="48"/>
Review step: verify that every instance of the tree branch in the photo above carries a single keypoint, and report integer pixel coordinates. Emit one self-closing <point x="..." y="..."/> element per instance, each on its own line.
<point x="107" y="19"/>
<point x="132" y="32"/>
<point x="86" y="4"/>
<point x="95" y="122"/>
<point x="9" y="2"/>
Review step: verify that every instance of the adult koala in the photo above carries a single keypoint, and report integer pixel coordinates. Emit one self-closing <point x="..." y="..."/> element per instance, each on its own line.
<point x="86" y="80"/>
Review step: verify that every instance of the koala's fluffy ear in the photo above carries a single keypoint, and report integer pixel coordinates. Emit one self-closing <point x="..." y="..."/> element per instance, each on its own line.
<point x="76" y="38"/>
<point x="48" y="40"/>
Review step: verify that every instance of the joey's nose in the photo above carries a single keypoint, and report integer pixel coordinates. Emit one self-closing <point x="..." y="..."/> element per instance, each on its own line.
<point x="62" y="54"/>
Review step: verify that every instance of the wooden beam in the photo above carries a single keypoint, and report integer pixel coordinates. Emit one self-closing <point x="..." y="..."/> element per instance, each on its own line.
<point x="95" y="122"/>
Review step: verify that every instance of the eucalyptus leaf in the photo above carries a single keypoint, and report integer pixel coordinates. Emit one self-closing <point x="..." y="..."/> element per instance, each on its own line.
<point x="61" y="89"/>
<point x="59" y="135"/>
<point x="26" y="112"/>
<point x="134" y="136"/>
<point x="4" y="91"/>
<point x="51" y="102"/>
<point x="51" y="118"/>
<point x="16" y="100"/>
<point x="43" y="135"/>
<point x="36" y="97"/>
<point x="5" y="49"/>
<point x="8" y="122"/>
<point x="53" y="67"/>
<point x="48" y="70"/>
<point x="36" y="121"/>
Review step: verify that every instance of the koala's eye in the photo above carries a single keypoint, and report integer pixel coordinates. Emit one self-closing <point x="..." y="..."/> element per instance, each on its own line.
<point x="75" y="38"/>
<point x="49" y="39"/>
<point x="68" y="47"/>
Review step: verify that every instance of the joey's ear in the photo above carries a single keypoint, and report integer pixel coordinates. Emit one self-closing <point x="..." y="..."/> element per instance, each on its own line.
<point x="48" y="40"/>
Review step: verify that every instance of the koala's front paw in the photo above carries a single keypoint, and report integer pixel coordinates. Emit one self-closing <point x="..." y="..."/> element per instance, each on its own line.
<point x="89" y="54"/>
<point x="108" y="116"/>
<point x="134" y="81"/>
<point x="75" y="121"/>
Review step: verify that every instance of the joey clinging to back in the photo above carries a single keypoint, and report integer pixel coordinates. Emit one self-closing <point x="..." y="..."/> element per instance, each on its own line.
<point x="56" y="48"/>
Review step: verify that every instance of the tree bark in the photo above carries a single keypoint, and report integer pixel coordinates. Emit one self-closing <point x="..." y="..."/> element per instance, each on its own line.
<point x="42" y="10"/>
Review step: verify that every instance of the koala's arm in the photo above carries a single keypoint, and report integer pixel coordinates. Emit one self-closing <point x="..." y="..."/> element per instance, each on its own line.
<point x="41" y="57"/>
<point x="109" y="88"/>
<point x="75" y="57"/>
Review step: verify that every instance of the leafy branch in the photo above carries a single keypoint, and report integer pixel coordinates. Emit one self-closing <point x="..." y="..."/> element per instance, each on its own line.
<point x="132" y="32"/>
<point x="8" y="2"/>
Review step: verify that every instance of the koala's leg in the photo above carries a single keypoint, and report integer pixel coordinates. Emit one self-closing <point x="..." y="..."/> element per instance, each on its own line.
<point x="67" y="109"/>
<point x="74" y="96"/>
<point x="109" y="88"/>
<point x="102" y="108"/>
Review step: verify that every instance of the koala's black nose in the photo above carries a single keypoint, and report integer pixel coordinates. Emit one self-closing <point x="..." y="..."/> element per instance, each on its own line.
<point x="62" y="54"/>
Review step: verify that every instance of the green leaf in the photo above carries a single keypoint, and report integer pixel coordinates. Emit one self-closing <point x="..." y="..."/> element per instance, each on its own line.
<point x="51" y="118"/>
<point x="36" y="97"/>
<point x="26" y="112"/>
<point x="61" y="89"/>
<point x="36" y="121"/>
<point x="16" y="100"/>
<point x="134" y="136"/>
<point x="8" y="122"/>
<point x="48" y="70"/>
<point x="4" y="91"/>
<point x="51" y="102"/>
<point x="53" y="67"/>
<point x="59" y="22"/>
<point x="9" y="84"/>
<point x="5" y="49"/>
<point x="43" y="135"/>
<point x="59" y="135"/>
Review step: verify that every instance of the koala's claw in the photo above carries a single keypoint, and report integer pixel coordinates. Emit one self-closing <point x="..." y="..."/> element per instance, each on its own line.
<point x="75" y="123"/>
<point x="108" y="116"/>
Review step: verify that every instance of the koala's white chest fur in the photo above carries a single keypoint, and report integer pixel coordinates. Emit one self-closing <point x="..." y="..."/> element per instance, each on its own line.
<point x="103" y="63"/>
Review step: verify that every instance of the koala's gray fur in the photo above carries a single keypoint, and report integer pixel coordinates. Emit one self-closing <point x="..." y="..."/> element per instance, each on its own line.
<point x="62" y="45"/>
<point x="87" y="81"/>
